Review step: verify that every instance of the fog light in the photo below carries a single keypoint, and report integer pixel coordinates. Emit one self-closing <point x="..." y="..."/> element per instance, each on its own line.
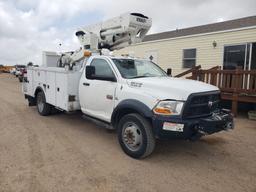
<point x="173" y="127"/>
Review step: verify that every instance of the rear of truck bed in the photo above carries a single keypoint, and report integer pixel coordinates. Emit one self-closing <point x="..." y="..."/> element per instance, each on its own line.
<point x="59" y="85"/>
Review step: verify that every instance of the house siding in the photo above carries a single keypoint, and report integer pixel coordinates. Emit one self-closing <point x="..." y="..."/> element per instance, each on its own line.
<point x="170" y="51"/>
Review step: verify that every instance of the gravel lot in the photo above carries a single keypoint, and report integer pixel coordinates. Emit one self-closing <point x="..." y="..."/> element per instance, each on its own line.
<point x="66" y="153"/>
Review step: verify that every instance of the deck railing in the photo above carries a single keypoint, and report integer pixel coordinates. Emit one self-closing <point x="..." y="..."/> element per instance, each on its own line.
<point x="196" y="68"/>
<point x="236" y="85"/>
<point x="230" y="81"/>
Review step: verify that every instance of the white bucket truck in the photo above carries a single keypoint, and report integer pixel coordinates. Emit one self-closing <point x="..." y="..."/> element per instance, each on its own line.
<point x="134" y="96"/>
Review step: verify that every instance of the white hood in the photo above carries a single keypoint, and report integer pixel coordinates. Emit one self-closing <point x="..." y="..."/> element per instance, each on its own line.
<point x="170" y="88"/>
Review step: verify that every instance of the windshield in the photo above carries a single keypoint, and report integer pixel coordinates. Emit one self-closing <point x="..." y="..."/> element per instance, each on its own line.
<point x="132" y="68"/>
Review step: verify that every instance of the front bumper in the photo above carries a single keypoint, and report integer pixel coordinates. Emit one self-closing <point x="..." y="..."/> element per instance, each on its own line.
<point x="193" y="128"/>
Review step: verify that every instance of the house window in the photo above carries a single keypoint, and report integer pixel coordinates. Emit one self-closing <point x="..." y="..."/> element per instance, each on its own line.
<point x="189" y="58"/>
<point x="241" y="56"/>
<point x="235" y="56"/>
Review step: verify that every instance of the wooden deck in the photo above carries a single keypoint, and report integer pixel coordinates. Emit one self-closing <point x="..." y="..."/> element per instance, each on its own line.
<point x="235" y="85"/>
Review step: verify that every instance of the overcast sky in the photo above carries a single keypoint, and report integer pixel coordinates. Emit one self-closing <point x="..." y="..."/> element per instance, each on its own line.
<point x="27" y="27"/>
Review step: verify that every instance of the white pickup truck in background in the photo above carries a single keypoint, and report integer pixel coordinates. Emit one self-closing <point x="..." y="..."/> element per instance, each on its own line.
<point x="134" y="96"/>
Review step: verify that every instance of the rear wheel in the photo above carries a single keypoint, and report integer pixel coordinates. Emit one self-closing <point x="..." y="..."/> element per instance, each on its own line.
<point x="43" y="108"/>
<point x="135" y="136"/>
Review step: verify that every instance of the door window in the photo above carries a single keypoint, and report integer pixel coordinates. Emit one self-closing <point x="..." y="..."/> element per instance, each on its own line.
<point x="102" y="68"/>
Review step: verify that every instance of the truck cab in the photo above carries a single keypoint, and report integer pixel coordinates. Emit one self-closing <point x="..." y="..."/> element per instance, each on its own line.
<point x="122" y="91"/>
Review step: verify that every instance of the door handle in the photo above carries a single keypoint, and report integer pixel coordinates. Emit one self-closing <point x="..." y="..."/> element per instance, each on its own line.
<point x="86" y="84"/>
<point x="110" y="97"/>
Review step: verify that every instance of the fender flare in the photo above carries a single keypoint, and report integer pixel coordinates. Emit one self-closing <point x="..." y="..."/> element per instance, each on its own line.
<point x="130" y="105"/>
<point x="37" y="90"/>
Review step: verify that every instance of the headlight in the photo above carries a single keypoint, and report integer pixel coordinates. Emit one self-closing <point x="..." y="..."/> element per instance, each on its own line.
<point x="168" y="108"/>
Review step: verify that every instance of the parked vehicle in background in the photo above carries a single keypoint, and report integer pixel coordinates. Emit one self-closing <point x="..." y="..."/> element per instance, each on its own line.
<point x="5" y="68"/>
<point x="18" y="69"/>
<point x="12" y="71"/>
<point x="23" y="74"/>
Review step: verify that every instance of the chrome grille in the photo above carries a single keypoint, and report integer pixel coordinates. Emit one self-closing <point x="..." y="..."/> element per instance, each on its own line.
<point x="201" y="104"/>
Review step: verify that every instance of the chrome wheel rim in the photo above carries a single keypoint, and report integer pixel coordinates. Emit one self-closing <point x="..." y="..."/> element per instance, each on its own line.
<point x="132" y="136"/>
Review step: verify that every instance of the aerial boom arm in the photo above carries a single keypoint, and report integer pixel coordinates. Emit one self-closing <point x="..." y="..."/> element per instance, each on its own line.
<point x="113" y="34"/>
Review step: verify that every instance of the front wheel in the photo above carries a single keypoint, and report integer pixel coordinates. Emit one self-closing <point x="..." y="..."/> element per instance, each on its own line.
<point x="43" y="108"/>
<point x="135" y="136"/>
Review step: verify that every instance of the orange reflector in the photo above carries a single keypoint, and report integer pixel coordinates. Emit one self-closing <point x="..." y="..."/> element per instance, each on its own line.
<point x="87" y="53"/>
<point x="162" y="111"/>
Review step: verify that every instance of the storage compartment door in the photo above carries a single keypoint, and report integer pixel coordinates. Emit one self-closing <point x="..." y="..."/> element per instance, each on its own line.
<point x="50" y="87"/>
<point x="61" y="91"/>
<point x="28" y="86"/>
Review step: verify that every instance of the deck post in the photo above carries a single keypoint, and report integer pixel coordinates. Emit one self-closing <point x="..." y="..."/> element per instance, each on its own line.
<point x="235" y="93"/>
<point x="234" y="104"/>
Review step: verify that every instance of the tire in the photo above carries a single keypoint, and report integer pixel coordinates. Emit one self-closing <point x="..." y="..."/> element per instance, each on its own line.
<point x="135" y="136"/>
<point x="43" y="108"/>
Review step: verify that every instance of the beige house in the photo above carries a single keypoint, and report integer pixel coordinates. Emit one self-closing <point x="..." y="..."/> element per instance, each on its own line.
<point x="229" y="44"/>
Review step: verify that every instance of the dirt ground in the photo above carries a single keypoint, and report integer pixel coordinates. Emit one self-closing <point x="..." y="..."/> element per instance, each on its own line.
<point x="67" y="153"/>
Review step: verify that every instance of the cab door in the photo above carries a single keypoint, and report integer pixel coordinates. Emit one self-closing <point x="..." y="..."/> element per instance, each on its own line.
<point x="97" y="96"/>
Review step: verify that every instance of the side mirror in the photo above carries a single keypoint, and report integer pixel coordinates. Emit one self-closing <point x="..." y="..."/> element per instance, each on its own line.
<point x="90" y="72"/>
<point x="169" y="72"/>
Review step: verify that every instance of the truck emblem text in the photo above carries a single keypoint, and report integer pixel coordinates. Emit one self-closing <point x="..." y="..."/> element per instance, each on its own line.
<point x="141" y="20"/>
<point x="135" y="84"/>
<point x="210" y="103"/>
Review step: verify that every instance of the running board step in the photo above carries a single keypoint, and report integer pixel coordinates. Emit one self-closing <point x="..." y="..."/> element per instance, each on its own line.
<point x="98" y="122"/>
